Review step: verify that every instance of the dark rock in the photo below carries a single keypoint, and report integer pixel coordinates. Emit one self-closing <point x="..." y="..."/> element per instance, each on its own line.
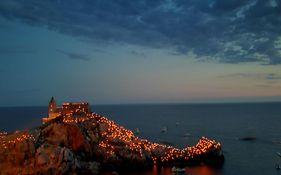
<point x="84" y="145"/>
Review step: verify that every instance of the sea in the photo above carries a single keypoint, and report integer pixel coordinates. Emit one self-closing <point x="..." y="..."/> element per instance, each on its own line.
<point x="185" y="124"/>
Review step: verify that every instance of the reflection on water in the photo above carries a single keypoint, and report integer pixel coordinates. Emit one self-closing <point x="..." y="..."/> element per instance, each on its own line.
<point x="199" y="170"/>
<point x="202" y="170"/>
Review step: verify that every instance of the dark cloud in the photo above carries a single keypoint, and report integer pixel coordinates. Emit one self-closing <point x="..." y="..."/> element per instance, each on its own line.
<point x="226" y="31"/>
<point x="74" y="56"/>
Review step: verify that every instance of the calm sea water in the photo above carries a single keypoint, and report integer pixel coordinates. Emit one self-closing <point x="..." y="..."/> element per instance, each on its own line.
<point x="225" y="123"/>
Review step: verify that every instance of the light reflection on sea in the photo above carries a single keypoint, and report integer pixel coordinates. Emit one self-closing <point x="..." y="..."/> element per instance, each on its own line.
<point x="198" y="170"/>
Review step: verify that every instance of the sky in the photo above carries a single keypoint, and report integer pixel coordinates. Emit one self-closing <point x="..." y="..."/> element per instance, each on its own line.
<point x="143" y="51"/>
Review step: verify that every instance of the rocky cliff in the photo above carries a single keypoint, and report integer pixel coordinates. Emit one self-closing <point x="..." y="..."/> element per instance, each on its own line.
<point x="90" y="142"/>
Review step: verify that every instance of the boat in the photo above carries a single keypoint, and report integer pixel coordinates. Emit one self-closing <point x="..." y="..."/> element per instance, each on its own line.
<point x="277" y="166"/>
<point x="164" y="129"/>
<point x="278" y="153"/>
<point x="248" y="138"/>
<point x="178" y="170"/>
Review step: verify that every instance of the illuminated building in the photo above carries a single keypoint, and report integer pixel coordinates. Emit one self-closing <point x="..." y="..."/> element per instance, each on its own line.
<point x="67" y="108"/>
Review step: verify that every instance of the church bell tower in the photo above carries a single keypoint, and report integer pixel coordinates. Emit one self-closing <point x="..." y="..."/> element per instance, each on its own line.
<point x="52" y="106"/>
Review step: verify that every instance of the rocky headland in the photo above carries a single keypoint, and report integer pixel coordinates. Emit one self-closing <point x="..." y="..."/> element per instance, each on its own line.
<point x="89" y="143"/>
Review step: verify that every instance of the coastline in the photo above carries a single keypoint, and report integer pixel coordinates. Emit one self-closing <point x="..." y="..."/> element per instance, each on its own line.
<point x="95" y="141"/>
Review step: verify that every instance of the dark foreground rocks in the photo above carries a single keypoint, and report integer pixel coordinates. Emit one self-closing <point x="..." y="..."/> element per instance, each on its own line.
<point x="90" y="143"/>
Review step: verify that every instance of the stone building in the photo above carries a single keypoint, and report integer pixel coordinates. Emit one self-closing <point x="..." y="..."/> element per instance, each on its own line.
<point x="67" y="108"/>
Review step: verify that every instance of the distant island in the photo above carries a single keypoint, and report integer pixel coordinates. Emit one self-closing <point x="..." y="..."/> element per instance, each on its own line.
<point x="72" y="139"/>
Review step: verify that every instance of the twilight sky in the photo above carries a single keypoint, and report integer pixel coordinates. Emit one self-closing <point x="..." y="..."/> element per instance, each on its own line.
<point x="143" y="51"/>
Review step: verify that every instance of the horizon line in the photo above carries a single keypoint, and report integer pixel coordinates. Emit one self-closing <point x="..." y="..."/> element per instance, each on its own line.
<point x="161" y="103"/>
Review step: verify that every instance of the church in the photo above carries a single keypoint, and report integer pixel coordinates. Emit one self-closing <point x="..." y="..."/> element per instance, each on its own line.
<point x="66" y="109"/>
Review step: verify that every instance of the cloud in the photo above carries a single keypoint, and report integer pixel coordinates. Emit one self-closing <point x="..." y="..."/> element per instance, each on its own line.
<point x="15" y="50"/>
<point x="74" y="56"/>
<point x="273" y="85"/>
<point x="243" y="75"/>
<point x="266" y="76"/>
<point x="264" y="86"/>
<point x="225" y="31"/>
<point x="138" y="54"/>
<point x="273" y="77"/>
